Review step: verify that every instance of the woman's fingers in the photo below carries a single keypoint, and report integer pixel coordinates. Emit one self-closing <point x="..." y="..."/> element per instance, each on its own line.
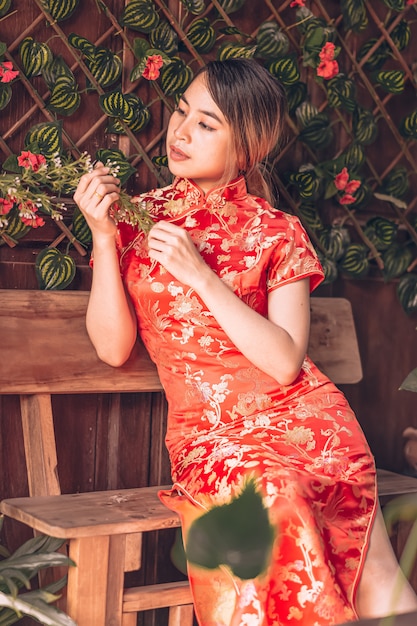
<point x="96" y="184"/>
<point x="95" y="193"/>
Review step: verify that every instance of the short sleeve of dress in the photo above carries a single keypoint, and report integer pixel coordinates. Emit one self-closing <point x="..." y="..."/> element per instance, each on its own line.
<point x="294" y="258"/>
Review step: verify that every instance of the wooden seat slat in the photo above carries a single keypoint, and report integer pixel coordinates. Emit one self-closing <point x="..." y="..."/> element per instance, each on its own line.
<point x="58" y="355"/>
<point x="391" y="484"/>
<point x="93" y="513"/>
<point x="159" y="596"/>
<point x="126" y="511"/>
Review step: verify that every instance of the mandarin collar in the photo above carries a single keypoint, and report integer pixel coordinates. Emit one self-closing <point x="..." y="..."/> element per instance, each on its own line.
<point x="234" y="190"/>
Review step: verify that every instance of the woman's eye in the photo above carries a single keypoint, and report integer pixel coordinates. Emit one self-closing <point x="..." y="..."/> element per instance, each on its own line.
<point x="205" y="127"/>
<point x="179" y="111"/>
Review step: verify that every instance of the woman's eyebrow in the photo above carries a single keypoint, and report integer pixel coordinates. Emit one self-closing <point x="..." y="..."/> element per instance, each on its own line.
<point x="209" y="113"/>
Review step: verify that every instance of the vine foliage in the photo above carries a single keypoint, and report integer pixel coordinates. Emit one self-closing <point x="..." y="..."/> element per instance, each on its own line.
<point x="102" y="77"/>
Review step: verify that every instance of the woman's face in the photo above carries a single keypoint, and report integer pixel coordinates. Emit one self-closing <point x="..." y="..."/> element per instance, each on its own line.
<point x="199" y="140"/>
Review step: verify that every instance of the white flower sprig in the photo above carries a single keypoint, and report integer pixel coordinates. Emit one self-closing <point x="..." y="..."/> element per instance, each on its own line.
<point x="44" y="186"/>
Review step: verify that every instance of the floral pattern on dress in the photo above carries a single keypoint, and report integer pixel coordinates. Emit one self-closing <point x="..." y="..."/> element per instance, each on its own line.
<point x="228" y="420"/>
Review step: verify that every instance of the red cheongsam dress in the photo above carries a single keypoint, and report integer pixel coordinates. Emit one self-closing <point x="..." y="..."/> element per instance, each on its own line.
<point x="229" y="420"/>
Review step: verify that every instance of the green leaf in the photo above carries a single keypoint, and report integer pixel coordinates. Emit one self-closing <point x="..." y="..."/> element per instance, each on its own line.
<point x="354" y="15"/>
<point x="286" y="70"/>
<point x="341" y="93"/>
<point x="175" y="77"/>
<point x="317" y="133"/>
<point x="396" y="5"/>
<point x="5" y="95"/>
<point x="81" y="43"/>
<point x="196" y="7"/>
<point x="47" y="136"/>
<point x="393" y="81"/>
<point x="128" y="108"/>
<point x="80" y="228"/>
<point x="164" y="38"/>
<point x="47" y="615"/>
<point x="271" y="40"/>
<point x="235" y="51"/>
<point x="140" y="15"/>
<point x="296" y="94"/>
<point x="408" y="126"/>
<point x="55" y="70"/>
<point x="201" y="35"/>
<point x="354" y="261"/>
<point x="115" y="104"/>
<point x="396" y="201"/>
<point x="65" y="98"/>
<point x="381" y="231"/>
<point x="160" y="161"/>
<point x="396" y="182"/>
<point x="35" y="56"/>
<point x="140" y="48"/>
<point x="230" y="6"/>
<point x="4" y="7"/>
<point x="15" y="228"/>
<point x="60" y="10"/>
<point x="117" y="159"/>
<point x="238" y="535"/>
<point x="177" y="553"/>
<point x="364" y="126"/>
<point x="105" y="66"/>
<point x="335" y="240"/>
<point x="397" y="259"/>
<point x="410" y="384"/>
<point x="54" y="270"/>
<point x="407" y="293"/>
<point x="377" y="58"/>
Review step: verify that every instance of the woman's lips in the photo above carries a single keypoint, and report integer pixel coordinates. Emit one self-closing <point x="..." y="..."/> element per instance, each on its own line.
<point x="177" y="155"/>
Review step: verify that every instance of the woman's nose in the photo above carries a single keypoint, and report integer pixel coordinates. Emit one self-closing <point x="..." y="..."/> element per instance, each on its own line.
<point x="181" y="131"/>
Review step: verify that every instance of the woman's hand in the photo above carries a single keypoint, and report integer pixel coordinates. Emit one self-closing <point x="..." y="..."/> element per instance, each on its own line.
<point x="94" y="195"/>
<point x="173" y="248"/>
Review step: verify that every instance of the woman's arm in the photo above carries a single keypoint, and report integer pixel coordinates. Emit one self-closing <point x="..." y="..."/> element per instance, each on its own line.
<point x="110" y="320"/>
<point x="276" y="345"/>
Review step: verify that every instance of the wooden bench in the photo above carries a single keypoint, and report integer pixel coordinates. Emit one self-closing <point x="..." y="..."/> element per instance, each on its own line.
<point x="105" y="528"/>
<point x="98" y="525"/>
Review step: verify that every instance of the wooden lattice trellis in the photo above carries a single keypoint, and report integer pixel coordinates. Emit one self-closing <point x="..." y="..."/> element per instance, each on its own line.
<point x="372" y="36"/>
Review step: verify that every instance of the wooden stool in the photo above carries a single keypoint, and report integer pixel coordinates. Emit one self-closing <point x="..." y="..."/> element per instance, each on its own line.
<point x="98" y="527"/>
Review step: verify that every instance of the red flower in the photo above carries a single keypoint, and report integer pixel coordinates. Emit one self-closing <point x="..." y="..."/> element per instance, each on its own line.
<point x="327" y="51"/>
<point x="7" y="74"/>
<point x="34" y="221"/>
<point x="297" y="3"/>
<point x="5" y="206"/>
<point x="341" y="179"/>
<point x="409" y="2"/>
<point x="347" y="199"/>
<point x="28" y="215"/>
<point x="31" y="161"/>
<point x="352" y="186"/>
<point x="328" y="69"/>
<point x="153" y="65"/>
<point x="342" y="183"/>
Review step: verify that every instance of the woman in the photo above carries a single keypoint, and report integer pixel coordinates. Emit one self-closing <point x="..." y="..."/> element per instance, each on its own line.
<point x="219" y="290"/>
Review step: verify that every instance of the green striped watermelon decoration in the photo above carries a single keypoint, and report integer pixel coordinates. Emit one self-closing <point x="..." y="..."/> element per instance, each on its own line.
<point x="54" y="270"/>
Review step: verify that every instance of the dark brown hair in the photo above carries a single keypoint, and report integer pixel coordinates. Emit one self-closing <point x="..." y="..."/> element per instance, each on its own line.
<point x="253" y="102"/>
